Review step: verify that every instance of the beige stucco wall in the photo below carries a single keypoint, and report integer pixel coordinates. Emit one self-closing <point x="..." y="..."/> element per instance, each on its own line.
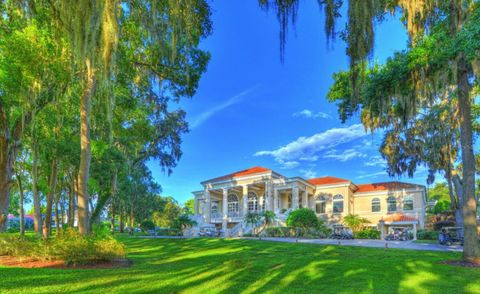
<point x="363" y="204"/>
<point x="354" y="203"/>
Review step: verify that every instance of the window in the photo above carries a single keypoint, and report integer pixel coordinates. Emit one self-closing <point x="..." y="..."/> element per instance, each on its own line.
<point x="391" y="204"/>
<point x="232" y="204"/>
<point x="215" y="207"/>
<point x="337" y="204"/>
<point x="252" y="201"/>
<point x="376" y="205"/>
<point x="289" y="200"/>
<point x="408" y="203"/>
<point x="263" y="202"/>
<point x="320" y="205"/>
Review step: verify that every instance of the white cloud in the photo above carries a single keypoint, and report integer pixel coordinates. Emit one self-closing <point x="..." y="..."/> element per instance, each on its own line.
<point x="310" y="114"/>
<point x="372" y="175"/>
<point x="202" y="117"/>
<point x="290" y="164"/>
<point x="375" y="160"/>
<point x="346" y="155"/>
<point x="308" y="173"/>
<point x="308" y="148"/>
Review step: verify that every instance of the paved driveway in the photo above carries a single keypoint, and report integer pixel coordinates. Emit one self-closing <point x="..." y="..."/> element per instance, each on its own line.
<point x="369" y="243"/>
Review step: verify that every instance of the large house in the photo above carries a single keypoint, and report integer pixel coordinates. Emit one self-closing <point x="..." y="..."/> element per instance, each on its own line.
<point x="225" y="200"/>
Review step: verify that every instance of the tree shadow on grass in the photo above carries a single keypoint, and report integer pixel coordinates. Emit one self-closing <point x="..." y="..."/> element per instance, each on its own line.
<point x="246" y="266"/>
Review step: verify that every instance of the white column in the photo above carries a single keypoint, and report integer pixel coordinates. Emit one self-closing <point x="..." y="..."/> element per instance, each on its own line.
<point x="268" y="194"/>
<point x="305" y="199"/>
<point x="224" y="211"/>
<point x="275" y="200"/>
<point x="414" y="231"/>
<point x="244" y="199"/>
<point x="195" y="206"/>
<point x="208" y="206"/>
<point x="295" y="197"/>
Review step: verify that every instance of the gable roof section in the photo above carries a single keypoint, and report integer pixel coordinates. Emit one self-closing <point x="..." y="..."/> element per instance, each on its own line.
<point x="242" y="173"/>
<point x="399" y="217"/>
<point x="385" y="186"/>
<point x="327" y="181"/>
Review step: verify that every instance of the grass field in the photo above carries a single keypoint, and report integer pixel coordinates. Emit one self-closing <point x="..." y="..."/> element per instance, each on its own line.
<point x="248" y="266"/>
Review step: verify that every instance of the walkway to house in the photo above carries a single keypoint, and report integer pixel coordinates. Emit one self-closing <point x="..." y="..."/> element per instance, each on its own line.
<point x="369" y="243"/>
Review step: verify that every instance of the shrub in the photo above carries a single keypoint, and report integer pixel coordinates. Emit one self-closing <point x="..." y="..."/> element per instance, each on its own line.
<point x="303" y="218"/>
<point x="446" y="223"/>
<point x="427" y="235"/>
<point x="368" y="233"/>
<point x="70" y="246"/>
<point x="147" y="225"/>
<point x="292" y="232"/>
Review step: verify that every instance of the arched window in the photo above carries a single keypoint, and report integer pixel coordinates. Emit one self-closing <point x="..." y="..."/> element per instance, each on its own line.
<point x="232" y="204"/>
<point x="214" y="207"/>
<point x="338" y="203"/>
<point x="252" y="201"/>
<point x="391" y="204"/>
<point x="376" y="205"/>
<point x="408" y="203"/>
<point x="320" y="204"/>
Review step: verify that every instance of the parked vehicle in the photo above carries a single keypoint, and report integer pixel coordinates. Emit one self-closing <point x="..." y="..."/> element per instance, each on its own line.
<point x="450" y="235"/>
<point x="399" y="234"/>
<point x="342" y="233"/>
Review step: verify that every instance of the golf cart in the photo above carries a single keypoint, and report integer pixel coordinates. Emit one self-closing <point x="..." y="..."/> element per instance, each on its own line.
<point x="208" y="231"/>
<point x="450" y="235"/>
<point x="342" y="233"/>
<point x="398" y="234"/>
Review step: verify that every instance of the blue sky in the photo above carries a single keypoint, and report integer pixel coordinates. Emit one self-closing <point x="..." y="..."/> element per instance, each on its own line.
<point x="251" y="110"/>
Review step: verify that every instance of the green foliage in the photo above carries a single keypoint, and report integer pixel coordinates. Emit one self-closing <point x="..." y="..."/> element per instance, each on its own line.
<point x="438" y="192"/>
<point x="427" y="235"/>
<point x="440" y="224"/>
<point x="189" y="206"/>
<point x="183" y="222"/>
<point x="147" y="225"/>
<point x="303" y="218"/>
<point x="165" y="211"/>
<point x="70" y="247"/>
<point x="297" y="232"/>
<point x="442" y="206"/>
<point x="355" y="222"/>
<point x="159" y="265"/>
<point x="367" y="233"/>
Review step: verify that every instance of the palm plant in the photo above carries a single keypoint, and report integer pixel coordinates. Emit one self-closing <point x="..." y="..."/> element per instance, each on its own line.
<point x="355" y="222"/>
<point x="253" y="219"/>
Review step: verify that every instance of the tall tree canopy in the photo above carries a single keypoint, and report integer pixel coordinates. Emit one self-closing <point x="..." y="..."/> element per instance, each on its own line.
<point x="110" y="70"/>
<point x="450" y="27"/>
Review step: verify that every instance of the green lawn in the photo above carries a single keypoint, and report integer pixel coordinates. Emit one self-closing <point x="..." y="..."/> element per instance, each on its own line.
<point x="247" y="266"/>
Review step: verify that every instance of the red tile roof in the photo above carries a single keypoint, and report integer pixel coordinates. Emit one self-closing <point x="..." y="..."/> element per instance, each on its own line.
<point x="327" y="181"/>
<point x="374" y="187"/>
<point x="399" y="217"/>
<point x="242" y="173"/>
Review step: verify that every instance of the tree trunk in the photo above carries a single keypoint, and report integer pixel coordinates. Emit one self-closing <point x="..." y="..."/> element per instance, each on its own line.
<point x="132" y="220"/>
<point x="471" y="248"/>
<point x="122" y="223"/>
<point x="71" y="202"/>
<point x="112" y="200"/>
<point x="47" y="224"/>
<point x="85" y="152"/>
<point x="21" y="210"/>
<point x="37" y="213"/>
<point x="58" y="223"/>
<point x="7" y="157"/>
<point x="455" y="200"/>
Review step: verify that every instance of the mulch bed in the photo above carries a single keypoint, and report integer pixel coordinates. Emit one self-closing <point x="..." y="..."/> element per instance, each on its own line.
<point x="58" y="264"/>
<point x="462" y="263"/>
